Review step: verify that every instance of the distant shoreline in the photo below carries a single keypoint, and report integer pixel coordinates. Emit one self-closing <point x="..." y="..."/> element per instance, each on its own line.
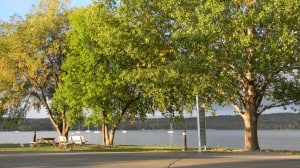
<point x="276" y="121"/>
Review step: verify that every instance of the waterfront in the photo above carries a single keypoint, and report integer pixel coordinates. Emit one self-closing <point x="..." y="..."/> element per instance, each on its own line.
<point x="268" y="139"/>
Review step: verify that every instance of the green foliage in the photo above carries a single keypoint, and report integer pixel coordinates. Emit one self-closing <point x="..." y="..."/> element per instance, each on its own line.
<point x="218" y="42"/>
<point x="246" y="51"/>
<point x="31" y="59"/>
<point x="94" y="68"/>
<point x="157" y="70"/>
<point x="129" y="58"/>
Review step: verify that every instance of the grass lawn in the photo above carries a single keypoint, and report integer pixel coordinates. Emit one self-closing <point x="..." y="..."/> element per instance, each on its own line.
<point x="120" y="148"/>
<point x="93" y="148"/>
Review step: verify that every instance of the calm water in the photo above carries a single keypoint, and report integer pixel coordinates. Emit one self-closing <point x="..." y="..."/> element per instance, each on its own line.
<point x="268" y="139"/>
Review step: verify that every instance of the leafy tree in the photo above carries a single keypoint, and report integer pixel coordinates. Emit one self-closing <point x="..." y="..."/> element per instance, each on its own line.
<point x="13" y="109"/>
<point x="158" y="67"/>
<point x="97" y="59"/>
<point x="31" y="57"/>
<point x="246" y="51"/>
<point x="121" y="56"/>
<point x="240" y="52"/>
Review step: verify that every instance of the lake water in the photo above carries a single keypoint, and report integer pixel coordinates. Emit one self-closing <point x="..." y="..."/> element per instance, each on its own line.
<point x="268" y="139"/>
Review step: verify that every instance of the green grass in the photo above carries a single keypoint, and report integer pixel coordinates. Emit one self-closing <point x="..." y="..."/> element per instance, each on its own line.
<point x="92" y="148"/>
<point x="122" y="148"/>
<point x="99" y="148"/>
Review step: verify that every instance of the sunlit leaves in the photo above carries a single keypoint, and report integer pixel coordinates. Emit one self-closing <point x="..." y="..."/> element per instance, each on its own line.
<point x="32" y="56"/>
<point x="241" y="43"/>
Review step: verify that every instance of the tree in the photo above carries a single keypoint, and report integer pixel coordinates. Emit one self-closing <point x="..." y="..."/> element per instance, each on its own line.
<point x="120" y="63"/>
<point x="246" y="51"/>
<point x="240" y="52"/>
<point x="150" y="45"/>
<point x="95" y="65"/>
<point x="31" y="58"/>
<point x="9" y="108"/>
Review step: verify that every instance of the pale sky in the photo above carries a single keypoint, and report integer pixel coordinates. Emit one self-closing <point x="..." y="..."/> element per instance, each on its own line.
<point x="21" y="7"/>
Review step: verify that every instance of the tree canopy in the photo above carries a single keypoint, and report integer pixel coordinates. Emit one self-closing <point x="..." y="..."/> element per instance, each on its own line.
<point x="247" y="52"/>
<point x="31" y="59"/>
<point x="130" y="58"/>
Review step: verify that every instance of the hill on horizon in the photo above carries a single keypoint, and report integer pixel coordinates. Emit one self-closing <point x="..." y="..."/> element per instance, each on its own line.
<point x="223" y="122"/>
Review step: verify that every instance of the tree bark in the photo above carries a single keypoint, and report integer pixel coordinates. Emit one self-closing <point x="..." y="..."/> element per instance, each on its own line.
<point x="250" y="100"/>
<point x="108" y="135"/>
<point x="250" y="131"/>
<point x="61" y="129"/>
<point x="112" y="135"/>
<point x="103" y="134"/>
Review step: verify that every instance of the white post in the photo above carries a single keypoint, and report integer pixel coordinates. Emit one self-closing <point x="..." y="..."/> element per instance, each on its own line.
<point x="198" y="124"/>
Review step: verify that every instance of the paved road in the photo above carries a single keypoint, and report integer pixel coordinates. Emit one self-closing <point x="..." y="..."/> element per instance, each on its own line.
<point x="145" y="160"/>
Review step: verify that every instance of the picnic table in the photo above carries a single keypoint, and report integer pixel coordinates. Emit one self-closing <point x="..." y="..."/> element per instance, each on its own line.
<point x="46" y="140"/>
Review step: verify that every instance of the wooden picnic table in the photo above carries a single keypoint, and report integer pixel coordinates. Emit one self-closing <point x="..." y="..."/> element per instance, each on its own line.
<point x="46" y="140"/>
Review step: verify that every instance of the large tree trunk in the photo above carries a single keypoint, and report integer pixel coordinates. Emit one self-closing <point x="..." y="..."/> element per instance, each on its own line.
<point x="62" y="128"/>
<point x="104" y="129"/>
<point x="250" y="100"/>
<point x="250" y="135"/>
<point x="108" y="135"/>
<point x="112" y="135"/>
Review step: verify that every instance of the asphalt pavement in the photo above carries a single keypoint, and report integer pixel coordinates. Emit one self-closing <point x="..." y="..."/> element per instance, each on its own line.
<point x="147" y="159"/>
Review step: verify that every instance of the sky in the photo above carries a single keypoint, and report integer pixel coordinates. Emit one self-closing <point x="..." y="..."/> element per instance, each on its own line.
<point x="21" y="7"/>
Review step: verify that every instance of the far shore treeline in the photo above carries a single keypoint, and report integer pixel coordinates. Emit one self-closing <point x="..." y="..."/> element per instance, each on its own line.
<point x="224" y="122"/>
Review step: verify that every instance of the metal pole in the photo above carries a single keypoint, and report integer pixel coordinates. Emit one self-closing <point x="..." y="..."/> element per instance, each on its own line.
<point x="34" y="136"/>
<point x="184" y="141"/>
<point x="198" y="124"/>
